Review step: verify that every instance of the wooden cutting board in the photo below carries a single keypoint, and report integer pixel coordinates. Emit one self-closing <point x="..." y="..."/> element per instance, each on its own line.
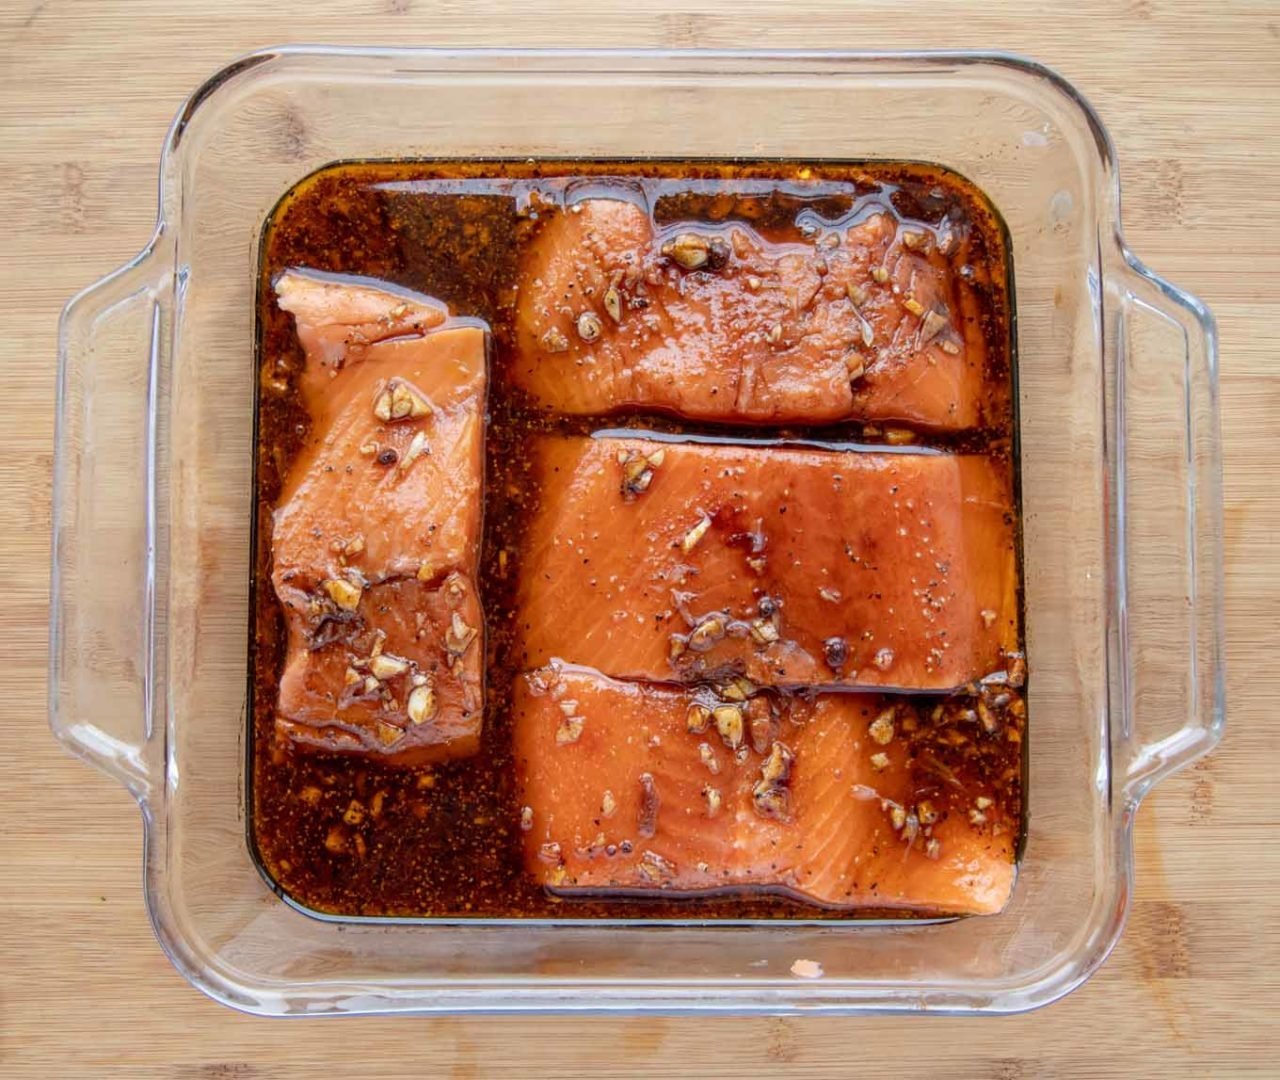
<point x="1191" y="94"/>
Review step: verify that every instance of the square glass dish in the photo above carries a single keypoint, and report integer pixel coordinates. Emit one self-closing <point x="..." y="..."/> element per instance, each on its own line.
<point x="153" y="501"/>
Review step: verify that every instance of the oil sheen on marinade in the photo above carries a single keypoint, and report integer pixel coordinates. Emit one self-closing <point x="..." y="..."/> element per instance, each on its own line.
<point x="351" y="835"/>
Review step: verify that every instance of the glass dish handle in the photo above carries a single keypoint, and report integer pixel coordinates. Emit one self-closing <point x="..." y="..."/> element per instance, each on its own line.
<point x="1169" y="502"/>
<point x="101" y="633"/>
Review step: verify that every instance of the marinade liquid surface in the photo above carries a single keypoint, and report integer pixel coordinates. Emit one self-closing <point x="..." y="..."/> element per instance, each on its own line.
<point x="349" y="836"/>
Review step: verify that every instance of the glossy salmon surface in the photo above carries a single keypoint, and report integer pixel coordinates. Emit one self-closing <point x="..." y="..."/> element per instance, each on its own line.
<point x="350" y="685"/>
<point x="869" y="320"/>
<point x="375" y="538"/>
<point x="338" y="317"/>
<point x="630" y="788"/>
<point x="793" y="566"/>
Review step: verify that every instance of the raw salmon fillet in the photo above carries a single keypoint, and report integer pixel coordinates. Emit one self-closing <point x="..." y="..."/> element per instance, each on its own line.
<point x="867" y="322"/>
<point x="795" y="567"/>
<point x="630" y="788"/>
<point x="375" y="538"/>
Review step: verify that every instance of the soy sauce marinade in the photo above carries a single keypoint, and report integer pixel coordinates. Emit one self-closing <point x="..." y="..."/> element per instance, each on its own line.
<point x="445" y="840"/>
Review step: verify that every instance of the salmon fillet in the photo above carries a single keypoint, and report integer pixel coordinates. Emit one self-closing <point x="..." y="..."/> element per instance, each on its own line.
<point x="866" y="322"/>
<point x="794" y="567"/>
<point x="376" y="534"/>
<point x="630" y="788"/>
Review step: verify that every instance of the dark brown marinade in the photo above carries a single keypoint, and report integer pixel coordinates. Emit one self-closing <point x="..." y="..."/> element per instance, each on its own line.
<point x="348" y="836"/>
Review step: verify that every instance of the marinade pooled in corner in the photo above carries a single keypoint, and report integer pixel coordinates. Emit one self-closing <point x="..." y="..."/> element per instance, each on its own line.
<point x="636" y="540"/>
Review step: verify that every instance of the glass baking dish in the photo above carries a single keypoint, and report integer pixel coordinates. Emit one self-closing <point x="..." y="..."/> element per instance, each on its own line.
<point x="153" y="496"/>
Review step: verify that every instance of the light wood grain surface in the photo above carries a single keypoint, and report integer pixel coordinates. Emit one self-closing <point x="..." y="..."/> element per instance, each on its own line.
<point x="1191" y="93"/>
